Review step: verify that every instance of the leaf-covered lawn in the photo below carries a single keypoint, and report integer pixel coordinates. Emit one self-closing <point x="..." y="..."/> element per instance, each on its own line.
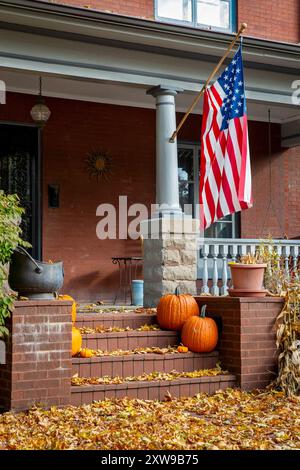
<point x="226" y="420"/>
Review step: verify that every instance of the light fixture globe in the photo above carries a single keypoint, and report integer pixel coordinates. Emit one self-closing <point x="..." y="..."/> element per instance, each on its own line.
<point x="40" y="112"/>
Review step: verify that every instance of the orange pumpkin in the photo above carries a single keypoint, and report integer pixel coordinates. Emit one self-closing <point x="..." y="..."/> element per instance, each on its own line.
<point x="200" y="334"/>
<point x="182" y="349"/>
<point x="76" y="341"/>
<point x="174" y="309"/>
<point x="86" y="352"/>
<point x="68" y="297"/>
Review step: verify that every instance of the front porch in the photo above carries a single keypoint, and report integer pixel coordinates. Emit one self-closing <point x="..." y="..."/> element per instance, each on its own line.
<point x="97" y="94"/>
<point x="68" y="232"/>
<point x="113" y="98"/>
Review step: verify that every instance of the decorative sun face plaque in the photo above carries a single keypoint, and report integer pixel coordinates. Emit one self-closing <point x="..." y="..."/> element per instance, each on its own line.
<point x="99" y="164"/>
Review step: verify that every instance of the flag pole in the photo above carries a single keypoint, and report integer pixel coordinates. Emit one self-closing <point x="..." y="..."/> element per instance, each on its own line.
<point x="230" y="47"/>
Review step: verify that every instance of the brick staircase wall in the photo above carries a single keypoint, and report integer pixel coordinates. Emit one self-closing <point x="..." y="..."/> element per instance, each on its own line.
<point x="38" y="361"/>
<point x="247" y="343"/>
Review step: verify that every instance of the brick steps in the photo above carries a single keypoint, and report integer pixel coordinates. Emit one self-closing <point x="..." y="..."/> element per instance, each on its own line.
<point x="138" y="364"/>
<point x="152" y="390"/>
<point x="127" y="365"/>
<point x="127" y="340"/>
<point x="122" y="320"/>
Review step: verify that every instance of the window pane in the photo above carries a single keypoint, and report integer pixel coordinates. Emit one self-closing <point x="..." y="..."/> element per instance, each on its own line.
<point x="220" y="229"/>
<point x="175" y="9"/>
<point x="186" y="177"/>
<point x="186" y="196"/>
<point x="186" y="162"/>
<point x="213" y="13"/>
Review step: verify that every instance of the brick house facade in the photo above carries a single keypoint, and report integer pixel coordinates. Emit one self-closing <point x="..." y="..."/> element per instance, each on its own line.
<point x="128" y="131"/>
<point x="268" y="19"/>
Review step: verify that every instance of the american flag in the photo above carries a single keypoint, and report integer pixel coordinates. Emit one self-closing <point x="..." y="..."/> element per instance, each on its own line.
<point x="225" y="172"/>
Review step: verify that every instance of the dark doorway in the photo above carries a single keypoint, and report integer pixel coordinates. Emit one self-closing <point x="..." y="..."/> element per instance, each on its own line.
<point x="20" y="174"/>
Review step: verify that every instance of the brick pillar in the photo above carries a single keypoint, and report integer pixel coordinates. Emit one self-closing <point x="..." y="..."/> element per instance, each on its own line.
<point x="38" y="365"/>
<point x="247" y="341"/>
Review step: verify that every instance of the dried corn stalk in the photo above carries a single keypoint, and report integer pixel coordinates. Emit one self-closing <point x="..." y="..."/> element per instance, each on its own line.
<point x="288" y="342"/>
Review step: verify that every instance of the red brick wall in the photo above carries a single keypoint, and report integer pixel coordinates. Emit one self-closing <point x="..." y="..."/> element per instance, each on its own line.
<point x="270" y="180"/>
<point x="271" y="19"/>
<point x="76" y="127"/>
<point x="38" y="360"/>
<point x="137" y="8"/>
<point x="247" y="342"/>
<point x="69" y="232"/>
<point x="268" y="19"/>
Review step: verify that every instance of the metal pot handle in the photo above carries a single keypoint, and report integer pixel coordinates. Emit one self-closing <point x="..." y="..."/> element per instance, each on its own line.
<point x="38" y="269"/>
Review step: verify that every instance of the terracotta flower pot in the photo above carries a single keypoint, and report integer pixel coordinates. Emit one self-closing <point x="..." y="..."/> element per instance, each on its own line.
<point x="247" y="280"/>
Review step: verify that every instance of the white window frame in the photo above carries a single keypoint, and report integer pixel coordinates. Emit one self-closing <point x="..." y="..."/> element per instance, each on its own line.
<point x="194" y="23"/>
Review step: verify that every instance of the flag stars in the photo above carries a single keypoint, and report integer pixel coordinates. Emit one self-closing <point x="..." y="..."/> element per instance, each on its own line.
<point x="232" y="83"/>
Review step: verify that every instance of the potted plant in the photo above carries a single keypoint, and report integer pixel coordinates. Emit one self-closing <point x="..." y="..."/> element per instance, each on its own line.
<point x="248" y="276"/>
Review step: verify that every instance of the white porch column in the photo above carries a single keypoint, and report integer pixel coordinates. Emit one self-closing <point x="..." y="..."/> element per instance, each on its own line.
<point x="170" y="237"/>
<point x="167" y="191"/>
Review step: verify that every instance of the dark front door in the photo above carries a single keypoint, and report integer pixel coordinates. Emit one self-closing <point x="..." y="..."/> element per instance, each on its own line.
<point x="20" y="174"/>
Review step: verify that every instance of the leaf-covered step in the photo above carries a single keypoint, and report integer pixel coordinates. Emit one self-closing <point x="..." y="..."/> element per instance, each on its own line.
<point x="131" y="319"/>
<point x="134" y="364"/>
<point x="127" y="340"/>
<point x="152" y="389"/>
<point x="155" y="375"/>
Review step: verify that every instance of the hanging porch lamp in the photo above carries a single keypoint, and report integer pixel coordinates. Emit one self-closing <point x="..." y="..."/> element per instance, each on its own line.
<point x="40" y="112"/>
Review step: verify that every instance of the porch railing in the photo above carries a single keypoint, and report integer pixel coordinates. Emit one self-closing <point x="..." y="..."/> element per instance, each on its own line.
<point x="215" y="253"/>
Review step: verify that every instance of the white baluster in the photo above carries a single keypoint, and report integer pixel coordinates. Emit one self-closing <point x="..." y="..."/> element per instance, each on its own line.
<point x="234" y="253"/>
<point x="286" y="260"/>
<point x="279" y="252"/>
<point x="243" y="250"/>
<point x="205" y="289"/>
<point x="295" y="251"/>
<point x="215" y="288"/>
<point x="224" y="288"/>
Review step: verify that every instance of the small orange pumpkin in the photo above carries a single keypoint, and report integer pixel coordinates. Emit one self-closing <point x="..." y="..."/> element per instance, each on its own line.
<point x="76" y="341"/>
<point x="68" y="297"/>
<point x="182" y="349"/>
<point x="200" y="334"/>
<point x="174" y="309"/>
<point x="86" y="352"/>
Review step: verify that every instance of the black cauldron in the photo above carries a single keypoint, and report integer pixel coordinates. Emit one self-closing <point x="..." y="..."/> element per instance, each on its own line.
<point x="34" y="279"/>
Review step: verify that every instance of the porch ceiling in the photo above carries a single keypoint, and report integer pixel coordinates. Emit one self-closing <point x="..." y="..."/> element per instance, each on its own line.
<point x="78" y="52"/>
<point x="125" y="95"/>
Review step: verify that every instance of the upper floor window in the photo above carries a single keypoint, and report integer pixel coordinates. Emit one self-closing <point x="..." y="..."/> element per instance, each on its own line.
<point x="214" y="14"/>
